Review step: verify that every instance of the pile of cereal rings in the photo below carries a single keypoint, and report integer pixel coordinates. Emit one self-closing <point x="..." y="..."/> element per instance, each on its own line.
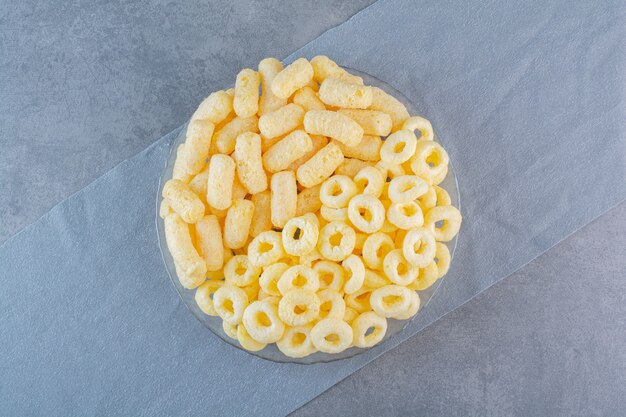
<point x="304" y="209"/>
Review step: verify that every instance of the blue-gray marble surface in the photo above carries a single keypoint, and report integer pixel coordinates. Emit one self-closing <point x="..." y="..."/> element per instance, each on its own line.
<point x="85" y="85"/>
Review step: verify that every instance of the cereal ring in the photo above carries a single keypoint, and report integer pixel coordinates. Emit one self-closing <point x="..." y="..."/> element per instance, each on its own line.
<point x="398" y="147"/>
<point x="413" y="308"/>
<point x="262" y="295"/>
<point x="334" y="214"/>
<point x="246" y="341"/>
<point x="427" y="277"/>
<point x="183" y="201"/>
<point x="298" y="277"/>
<point x="203" y="296"/>
<point x="373" y="122"/>
<point x="419" y="247"/>
<point x="355" y="271"/>
<point x="450" y="217"/>
<point x="337" y="191"/>
<point x="289" y="260"/>
<point x="269" y="298"/>
<point x="333" y="125"/>
<point x="373" y="279"/>
<point x="322" y="221"/>
<point x="429" y="161"/>
<point x="350" y="315"/>
<point x="295" y="76"/>
<point x="269" y="68"/>
<point x="300" y="235"/>
<point x="360" y="241"/>
<point x="266" y="248"/>
<point x="240" y="271"/>
<point x="246" y="99"/>
<point x="361" y="325"/>
<point x="230" y="302"/>
<point x="230" y="329"/>
<point x="270" y="276"/>
<point x="262" y="322"/>
<point x="399" y="237"/>
<point x="296" y="341"/>
<point x="388" y="227"/>
<point x="438" y="179"/>
<point x="387" y="103"/>
<point x="252" y="291"/>
<point x="370" y="181"/>
<point x="191" y="266"/>
<point x="338" y="93"/>
<point x="391" y="301"/>
<point x="389" y="170"/>
<point x="287" y="150"/>
<point x="442" y="258"/>
<point x="366" y="213"/>
<point x="405" y="215"/>
<point x="331" y="335"/>
<point x="419" y="123"/>
<point x="443" y="198"/>
<point x="298" y="307"/>
<point x="281" y="121"/>
<point x="324" y="67"/>
<point x="375" y="248"/>
<point x="332" y="304"/>
<point x="336" y="241"/>
<point x="360" y="300"/>
<point x="428" y="200"/>
<point x="309" y="258"/>
<point x="406" y="188"/>
<point x="237" y="223"/>
<point x="331" y="275"/>
<point x="398" y="269"/>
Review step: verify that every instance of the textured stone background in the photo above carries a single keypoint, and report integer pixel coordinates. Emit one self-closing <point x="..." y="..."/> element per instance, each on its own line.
<point x="85" y="85"/>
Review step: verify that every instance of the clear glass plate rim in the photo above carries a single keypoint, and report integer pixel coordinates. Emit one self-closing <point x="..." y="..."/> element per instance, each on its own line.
<point x="326" y="358"/>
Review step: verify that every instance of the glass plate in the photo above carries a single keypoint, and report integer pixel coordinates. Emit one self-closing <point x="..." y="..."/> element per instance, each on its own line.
<point x="271" y="352"/>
